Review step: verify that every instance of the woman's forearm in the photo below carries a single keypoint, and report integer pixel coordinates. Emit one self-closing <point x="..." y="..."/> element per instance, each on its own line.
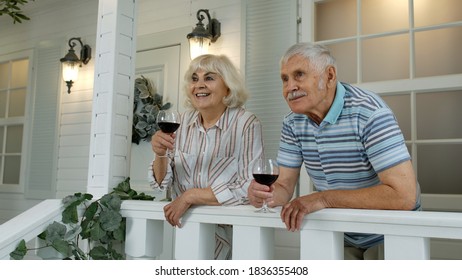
<point x="159" y="168"/>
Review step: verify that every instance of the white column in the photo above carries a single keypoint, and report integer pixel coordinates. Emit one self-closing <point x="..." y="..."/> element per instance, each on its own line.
<point x="406" y="248"/>
<point x="321" y="245"/>
<point x="253" y="243"/>
<point x="195" y="241"/>
<point x="144" y="238"/>
<point x="113" y="95"/>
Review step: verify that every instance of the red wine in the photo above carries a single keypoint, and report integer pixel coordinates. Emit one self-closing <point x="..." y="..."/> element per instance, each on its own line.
<point x="168" y="127"/>
<point x="265" y="179"/>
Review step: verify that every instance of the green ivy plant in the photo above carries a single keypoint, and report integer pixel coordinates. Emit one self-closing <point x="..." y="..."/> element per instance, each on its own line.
<point x="147" y="103"/>
<point x="101" y="225"/>
<point x="11" y="8"/>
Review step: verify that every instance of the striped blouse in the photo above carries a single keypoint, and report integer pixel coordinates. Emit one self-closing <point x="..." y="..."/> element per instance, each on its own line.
<point x="221" y="156"/>
<point x="358" y="138"/>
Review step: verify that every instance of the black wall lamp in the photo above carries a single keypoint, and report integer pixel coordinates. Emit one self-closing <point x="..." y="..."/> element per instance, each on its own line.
<point x="71" y="62"/>
<point x="201" y="37"/>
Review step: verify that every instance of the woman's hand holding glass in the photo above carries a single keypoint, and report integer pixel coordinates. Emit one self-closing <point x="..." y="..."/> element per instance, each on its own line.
<point x="163" y="141"/>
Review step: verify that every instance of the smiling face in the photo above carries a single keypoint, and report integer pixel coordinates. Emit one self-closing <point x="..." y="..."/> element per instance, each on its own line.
<point x="207" y="90"/>
<point x="306" y="91"/>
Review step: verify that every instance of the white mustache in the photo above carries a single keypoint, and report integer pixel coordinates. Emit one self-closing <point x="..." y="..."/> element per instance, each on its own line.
<point x="295" y="94"/>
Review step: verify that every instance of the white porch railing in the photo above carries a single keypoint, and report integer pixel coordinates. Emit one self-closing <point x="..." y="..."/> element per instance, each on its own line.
<point x="407" y="234"/>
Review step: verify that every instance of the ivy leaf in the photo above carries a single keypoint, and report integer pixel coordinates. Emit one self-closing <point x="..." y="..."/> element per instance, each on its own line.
<point x="110" y="220"/>
<point x="119" y="234"/>
<point x="68" y="200"/>
<point x="99" y="253"/>
<point x="91" y="211"/>
<point x="141" y="125"/>
<point x="166" y="106"/>
<point x="111" y="201"/>
<point x="43" y="235"/>
<point x="62" y="247"/>
<point x="87" y="226"/>
<point x="97" y="232"/>
<point x="70" y="214"/>
<point x="122" y="195"/>
<point x="73" y="233"/>
<point x="55" y="231"/>
<point x="20" y="251"/>
<point x="123" y="186"/>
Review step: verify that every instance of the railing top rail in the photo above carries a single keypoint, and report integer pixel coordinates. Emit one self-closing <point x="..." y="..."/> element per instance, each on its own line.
<point x="28" y="225"/>
<point x="404" y="223"/>
<point x="410" y="223"/>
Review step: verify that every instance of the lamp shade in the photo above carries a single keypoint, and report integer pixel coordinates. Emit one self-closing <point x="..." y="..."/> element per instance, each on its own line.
<point x="198" y="46"/>
<point x="71" y="71"/>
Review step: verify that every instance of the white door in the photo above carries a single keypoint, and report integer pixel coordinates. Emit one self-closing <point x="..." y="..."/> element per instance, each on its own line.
<point x="161" y="66"/>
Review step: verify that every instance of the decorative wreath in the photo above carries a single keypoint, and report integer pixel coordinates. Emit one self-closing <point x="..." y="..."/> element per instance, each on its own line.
<point x="147" y="103"/>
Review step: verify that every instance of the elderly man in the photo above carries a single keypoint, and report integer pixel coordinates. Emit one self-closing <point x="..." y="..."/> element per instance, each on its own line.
<point x="350" y="142"/>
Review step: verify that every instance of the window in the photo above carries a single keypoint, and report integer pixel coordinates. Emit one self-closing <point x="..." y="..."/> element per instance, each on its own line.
<point x="13" y="90"/>
<point x="408" y="52"/>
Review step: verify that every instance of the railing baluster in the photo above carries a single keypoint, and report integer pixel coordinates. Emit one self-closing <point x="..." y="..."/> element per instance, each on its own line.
<point x="406" y="248"/>
<point x="253" y="243"/>
<point x="144" y="238"/>
<point x="195" y="241"/>
<point x="321" y="245"/>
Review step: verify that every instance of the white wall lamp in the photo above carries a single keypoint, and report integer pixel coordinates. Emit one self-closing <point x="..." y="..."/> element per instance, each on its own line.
<point x="71" y="62"/>
<point x="201" y="37"/>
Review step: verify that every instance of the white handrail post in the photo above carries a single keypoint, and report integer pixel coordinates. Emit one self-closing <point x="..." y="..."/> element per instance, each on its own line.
<point x="195" y="241"/>
<point x="252" y="242"/>
<point x="321" y="245"/>
<point x="406" y="248"/>
<point x="144" y="238"/>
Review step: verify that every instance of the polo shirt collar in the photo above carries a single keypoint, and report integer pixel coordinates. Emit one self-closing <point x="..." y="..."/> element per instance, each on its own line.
<point x="337" y="105"/>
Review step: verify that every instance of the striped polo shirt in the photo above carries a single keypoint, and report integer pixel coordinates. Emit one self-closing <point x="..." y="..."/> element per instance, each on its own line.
<point x="358" y="138"/>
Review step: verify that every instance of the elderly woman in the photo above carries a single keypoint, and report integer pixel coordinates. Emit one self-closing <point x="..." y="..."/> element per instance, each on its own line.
<point x="215" y="146"/>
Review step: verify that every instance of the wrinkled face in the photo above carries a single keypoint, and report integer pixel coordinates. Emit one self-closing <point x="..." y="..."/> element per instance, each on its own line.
<point x="207" y="90"/>
<point x="305" y="91"/>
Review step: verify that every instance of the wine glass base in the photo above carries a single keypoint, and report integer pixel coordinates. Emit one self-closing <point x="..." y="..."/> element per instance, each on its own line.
<point x="265" y="210"/>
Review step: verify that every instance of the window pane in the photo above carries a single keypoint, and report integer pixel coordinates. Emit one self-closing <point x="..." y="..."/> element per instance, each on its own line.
<point x="345" y="54"/>
<point x="17" y="103"/>
<point x="438" y="115"/>
<point x="439" y="168"/>
<point x="386" y="58"/>
<point x="438" y="52"/>
<point x="384" y="16"/>
<point x="19" y="73"/>
<point x="2" y="104"/>
<point x="4" y="74"/>
<point x="431" y="12"/>
<point x="327" y="15"/>
<point x="12" y="169"/>
<point x="401" y="106"/>
<point x="13" y="138"/>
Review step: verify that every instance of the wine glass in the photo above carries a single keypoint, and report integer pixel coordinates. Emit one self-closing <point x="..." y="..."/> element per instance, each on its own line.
<point x="265" y="172"/>
<point x="168" y="121"/>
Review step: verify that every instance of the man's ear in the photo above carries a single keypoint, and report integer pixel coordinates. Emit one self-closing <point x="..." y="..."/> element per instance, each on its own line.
<point x="331" y="76"/>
